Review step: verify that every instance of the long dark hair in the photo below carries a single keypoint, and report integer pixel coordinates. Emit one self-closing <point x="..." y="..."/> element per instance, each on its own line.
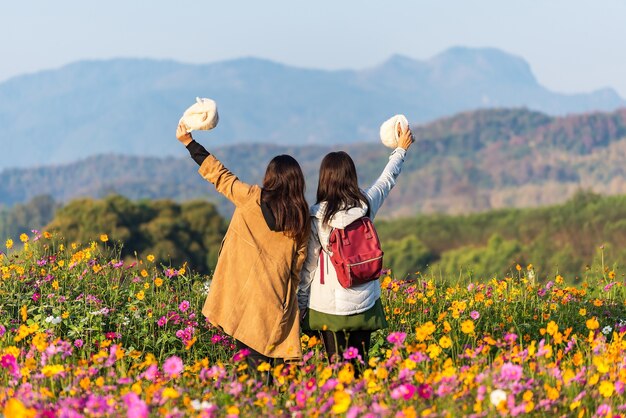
<point x="283" y="192"/>
<point x="338" y="184"/>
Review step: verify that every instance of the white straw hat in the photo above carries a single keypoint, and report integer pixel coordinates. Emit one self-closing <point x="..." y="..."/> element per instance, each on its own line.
<point x="389" y="130"/>
<point x="201" y="116"/>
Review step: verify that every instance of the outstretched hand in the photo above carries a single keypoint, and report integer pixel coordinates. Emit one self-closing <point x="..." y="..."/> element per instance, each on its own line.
<point x="182" y="135"/>
<point x="406" y="138"/>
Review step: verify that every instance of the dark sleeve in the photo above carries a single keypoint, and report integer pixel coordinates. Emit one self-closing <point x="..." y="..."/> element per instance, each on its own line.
<point x="197" y="152"/>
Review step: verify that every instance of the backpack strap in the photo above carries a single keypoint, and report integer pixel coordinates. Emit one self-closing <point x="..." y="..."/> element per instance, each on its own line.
<point x="322" y="266"/>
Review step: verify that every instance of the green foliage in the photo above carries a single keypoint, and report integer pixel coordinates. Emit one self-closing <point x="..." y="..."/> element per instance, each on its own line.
<point x="498" y="256"/>
<point x="407" y="255"/>
<point x="557" y="239"/>
<point x="174" y="233"/>
<point x="22" y="218"/>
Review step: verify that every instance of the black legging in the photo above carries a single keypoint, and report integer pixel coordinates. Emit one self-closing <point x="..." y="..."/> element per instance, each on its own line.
<point x="335" y="343"/>
<point x="254" y="359"/>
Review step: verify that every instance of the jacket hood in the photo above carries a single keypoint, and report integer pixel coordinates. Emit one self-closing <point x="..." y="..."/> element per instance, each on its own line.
<point x="342" y="218"/>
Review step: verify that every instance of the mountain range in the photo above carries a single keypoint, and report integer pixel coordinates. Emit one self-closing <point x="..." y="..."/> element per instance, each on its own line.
<point x="473" y="161"/>
<point x="131" y="106"/>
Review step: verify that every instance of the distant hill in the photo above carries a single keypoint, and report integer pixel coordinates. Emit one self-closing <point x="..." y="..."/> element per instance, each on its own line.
<point x="470" y="162"/>
<point x="130" y="106"/>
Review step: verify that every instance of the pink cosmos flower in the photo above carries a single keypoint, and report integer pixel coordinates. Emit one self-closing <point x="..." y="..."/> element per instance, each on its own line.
<point x="151" y="372"/>
<point x="135" y="407"/>
<point x="78" y="343"/>
<point x="425" y="391"/>
<point x="396" y="338"/>
<point x="184" y="305"/>
<point x="404" y="391"/>
<point x="10" y="363"/>
<point x="240" y="355"/>
<point x="474" y="315"/>
<point x="351" y="353"/>
<point x="162" y="321"/>
<point x="603" y="410"/>
<point x="511" y="372"/>
<point x="173" y="366"/>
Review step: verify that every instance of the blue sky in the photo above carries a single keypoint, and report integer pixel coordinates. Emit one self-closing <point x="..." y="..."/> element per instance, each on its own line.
<point x="572" y="46"/>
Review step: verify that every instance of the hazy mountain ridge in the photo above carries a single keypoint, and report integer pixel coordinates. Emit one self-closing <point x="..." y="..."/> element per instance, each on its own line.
<point x="473" y="161"/>
<point x="130" y="106"/>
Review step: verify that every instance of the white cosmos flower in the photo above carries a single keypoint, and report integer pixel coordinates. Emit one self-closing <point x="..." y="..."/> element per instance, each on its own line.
<point x="497" y="396"/>
<point x="53" y="319"/>
<point x="607" y="330"/>
<point x="198" y="406"/>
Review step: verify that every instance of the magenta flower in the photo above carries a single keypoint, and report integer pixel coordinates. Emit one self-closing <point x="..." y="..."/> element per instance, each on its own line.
<point x="173" y="366"/>
<point x="184" y="305"/>
<point x="135" y="407"/>
<point x="351" y="353"/>
<point x="510" y="372"/>
<point x="240" y="355"/>
<point x="78" y="343"/>
<point x="603" y="410"/>
<point x="425" y="391"/>
<point x="404" y="391"/>
<point x="396" y="338"/>
<point x="162" y="321"/>
<point x="9" y="363"/>
<point x="474" y="315"/>
<point x="151" y="372"/>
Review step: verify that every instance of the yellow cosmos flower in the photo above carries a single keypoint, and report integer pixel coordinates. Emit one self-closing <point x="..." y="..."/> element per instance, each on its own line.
<point x="104" y="237"/>
<point x="24" y="238"/>
<point x="52" y="370"/>
<point x="140" y="295"/>
<point x="170" y="393"/>
<point x="582" y="312"/>
<point x="592" y="323"/>
<point x="552" y="328"/>
<point x="264" y="367"/>
<point x="445" y="342"/>
<point x="158" y="282"/>
<point x="144" y="273"/>
<point x="342" y="402"/>
<point x="15" y="408"/>
<point x="150" y="258"/>
<point x="467" y="326"/>
<point x="232" y="410"/>
<point x="606" y="388"/>
<point x="9" y="245"/>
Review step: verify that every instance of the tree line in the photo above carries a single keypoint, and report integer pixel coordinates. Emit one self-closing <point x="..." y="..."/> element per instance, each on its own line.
<point x="563" y="239"/>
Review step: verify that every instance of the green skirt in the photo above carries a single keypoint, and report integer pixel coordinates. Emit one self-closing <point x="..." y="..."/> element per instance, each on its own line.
<point x="370" y="320"/>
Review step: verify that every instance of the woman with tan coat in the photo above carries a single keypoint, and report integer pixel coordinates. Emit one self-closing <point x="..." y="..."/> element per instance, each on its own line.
<point x="253" y="295"/>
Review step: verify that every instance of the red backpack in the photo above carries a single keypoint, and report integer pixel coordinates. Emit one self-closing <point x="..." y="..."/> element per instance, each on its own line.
<point x="355" y="253"/>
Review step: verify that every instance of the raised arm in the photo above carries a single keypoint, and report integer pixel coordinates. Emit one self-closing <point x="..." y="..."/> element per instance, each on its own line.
<point x="378" y="192"/>
<point x="214" y="171"/>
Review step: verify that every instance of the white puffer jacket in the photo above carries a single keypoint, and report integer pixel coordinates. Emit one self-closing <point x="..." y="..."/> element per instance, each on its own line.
<point x="331" y="297"/>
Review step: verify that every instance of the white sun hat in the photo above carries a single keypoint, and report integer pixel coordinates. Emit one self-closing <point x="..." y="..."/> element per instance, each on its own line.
<point x="201" y="116"/>
<point x="389" y="130"/>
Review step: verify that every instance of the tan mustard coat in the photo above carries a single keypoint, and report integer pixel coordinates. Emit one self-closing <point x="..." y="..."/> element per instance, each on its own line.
<point x="253" y="294"/>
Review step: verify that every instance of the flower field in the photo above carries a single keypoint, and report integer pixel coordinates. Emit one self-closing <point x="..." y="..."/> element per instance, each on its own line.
<point x="85" y="334"/>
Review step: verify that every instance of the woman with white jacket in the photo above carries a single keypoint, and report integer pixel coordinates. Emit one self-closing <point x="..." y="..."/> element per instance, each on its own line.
<point x="345" y="317"/>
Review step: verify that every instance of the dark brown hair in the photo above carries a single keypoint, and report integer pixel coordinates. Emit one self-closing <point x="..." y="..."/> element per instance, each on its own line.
<point x="338" y="184"/>
<point x="283" y="192"/>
